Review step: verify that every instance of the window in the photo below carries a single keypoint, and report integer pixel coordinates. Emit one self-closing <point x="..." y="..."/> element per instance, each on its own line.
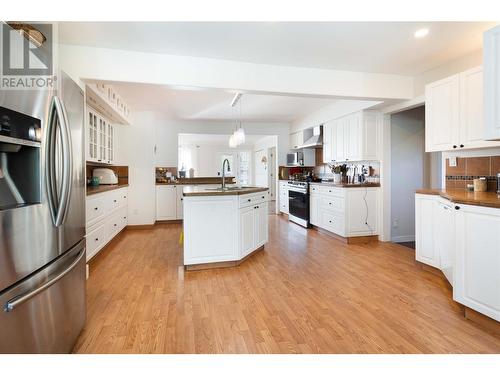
<point x="244" y="168"/>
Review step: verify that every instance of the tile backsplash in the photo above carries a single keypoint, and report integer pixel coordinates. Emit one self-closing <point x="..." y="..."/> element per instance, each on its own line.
<point x="467" y="169"/>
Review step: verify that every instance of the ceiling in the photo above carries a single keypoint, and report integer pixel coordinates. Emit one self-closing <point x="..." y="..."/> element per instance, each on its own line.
<point x="204" y="104"/>
<point x="215" y="139"/>
<point x="377" y="47"/>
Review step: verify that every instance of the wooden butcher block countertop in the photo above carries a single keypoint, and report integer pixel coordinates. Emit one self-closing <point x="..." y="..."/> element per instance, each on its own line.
<point x="462" y="196"/>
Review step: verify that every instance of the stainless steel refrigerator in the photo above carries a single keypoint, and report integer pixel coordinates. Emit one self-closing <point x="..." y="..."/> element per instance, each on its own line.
<point x="42" y="219"/>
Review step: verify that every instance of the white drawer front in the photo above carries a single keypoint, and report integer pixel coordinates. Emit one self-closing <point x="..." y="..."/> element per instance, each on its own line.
<point x="314" y="189"/>
<point x="95" y="240"/>
<point x="251" y="199"/>
<point x="96" y="208"/>
<point x="333" y="203"/>
<point x="332" y="222"/>
<point x="122" y="197"/>
<point x="330" y="190"/>
<point x="113" y="225"/>
<point x="114" y="198"/>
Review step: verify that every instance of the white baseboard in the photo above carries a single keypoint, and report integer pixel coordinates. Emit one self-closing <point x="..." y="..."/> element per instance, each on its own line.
<point x="403" y="239"/>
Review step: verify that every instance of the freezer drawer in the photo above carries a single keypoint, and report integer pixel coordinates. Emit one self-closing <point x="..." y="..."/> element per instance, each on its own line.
<point x="46" y="312"/>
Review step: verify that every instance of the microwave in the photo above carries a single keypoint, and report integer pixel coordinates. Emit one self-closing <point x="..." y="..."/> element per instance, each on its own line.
<point x="295" y="159"/>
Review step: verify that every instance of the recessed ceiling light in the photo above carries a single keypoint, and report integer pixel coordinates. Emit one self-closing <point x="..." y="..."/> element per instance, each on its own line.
<point x="420" y="33"/>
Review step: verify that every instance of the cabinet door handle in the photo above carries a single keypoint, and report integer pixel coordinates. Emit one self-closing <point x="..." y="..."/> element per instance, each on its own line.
<point x="96" y="208"/>
<point x="462" y="146"/>
<point x="454" y="146"/>
<point x="457" y="207"/>
<point x="114" y="225"/>
<point x="330" y="203"/>
<point x="249" y="200"/>
<point x="124" y="217"/>
<point x="97" y="239"/>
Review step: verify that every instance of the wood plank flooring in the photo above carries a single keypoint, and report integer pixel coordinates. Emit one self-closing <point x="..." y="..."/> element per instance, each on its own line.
<point x="305" y="293"/>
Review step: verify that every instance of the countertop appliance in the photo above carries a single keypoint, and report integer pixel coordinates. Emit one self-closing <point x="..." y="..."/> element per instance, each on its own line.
<point x="106" y="176"/>
<point x="298" y="202"/>
<point x="42" y="218"/>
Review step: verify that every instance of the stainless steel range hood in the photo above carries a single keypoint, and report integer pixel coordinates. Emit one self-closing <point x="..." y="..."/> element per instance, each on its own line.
<point x="314" y="137"/>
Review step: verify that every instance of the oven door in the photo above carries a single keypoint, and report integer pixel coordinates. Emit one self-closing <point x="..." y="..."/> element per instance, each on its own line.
<point x="298" y="206"/>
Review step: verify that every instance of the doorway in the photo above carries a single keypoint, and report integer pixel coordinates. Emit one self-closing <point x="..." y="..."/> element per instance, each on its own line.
<point x="411" y="169"/>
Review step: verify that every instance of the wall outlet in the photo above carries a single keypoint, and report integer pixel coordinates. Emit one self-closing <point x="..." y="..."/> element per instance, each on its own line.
<point x="395" y="223"/>
<point x="452" y="161"/>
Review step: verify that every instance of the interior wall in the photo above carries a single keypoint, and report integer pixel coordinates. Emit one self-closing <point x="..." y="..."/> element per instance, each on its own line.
<point x="408" y="170"/>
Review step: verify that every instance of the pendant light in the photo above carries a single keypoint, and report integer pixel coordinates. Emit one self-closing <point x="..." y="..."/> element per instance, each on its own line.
<point x="240" y="132"/>
<point x="238" y="136"/>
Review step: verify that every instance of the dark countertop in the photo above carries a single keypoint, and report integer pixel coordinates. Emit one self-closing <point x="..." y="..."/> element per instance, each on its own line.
<point x="198" y="191"/>
<point x="198" y="181"/>
<point x="91" y="190"/>
<point x="462" y="196"/>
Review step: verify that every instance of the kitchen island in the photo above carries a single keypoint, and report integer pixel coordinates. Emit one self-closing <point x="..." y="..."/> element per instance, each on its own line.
<point x="222" y="227"/>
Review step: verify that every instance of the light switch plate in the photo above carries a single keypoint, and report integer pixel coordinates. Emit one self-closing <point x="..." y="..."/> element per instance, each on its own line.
<point x="452" y="161"/>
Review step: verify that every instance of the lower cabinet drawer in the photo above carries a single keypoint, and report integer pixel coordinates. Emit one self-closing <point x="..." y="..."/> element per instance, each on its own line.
<point x="332" y="203"/>
<point x="114" y="225"/>
<point x="96" y="208"/>
<point x="251" y="199"/>
<point x="96" y="239"/>
<point x="332" y="222"/>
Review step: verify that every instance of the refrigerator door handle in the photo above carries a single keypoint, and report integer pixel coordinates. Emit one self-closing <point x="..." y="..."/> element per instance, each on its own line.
<point x="50" y="174"/>
<point x="67" y="156"/>
<point x="18" y="300"/>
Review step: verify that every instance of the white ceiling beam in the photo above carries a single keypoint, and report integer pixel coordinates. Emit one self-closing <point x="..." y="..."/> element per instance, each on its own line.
<point x="82" y="62"/>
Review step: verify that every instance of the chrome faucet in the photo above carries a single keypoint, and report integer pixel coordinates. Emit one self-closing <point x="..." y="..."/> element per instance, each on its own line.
<point x="224" y="172"/>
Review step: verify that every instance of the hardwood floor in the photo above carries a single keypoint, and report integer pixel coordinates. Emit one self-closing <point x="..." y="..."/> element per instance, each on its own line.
<point x="305" y="293"/>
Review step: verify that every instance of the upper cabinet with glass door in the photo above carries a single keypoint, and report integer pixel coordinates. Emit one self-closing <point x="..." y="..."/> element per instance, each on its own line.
<point x="99" y="137"/>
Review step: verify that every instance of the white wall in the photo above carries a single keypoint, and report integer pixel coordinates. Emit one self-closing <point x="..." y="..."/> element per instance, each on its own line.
<point x="407" y="165"/>
<point x="468" y="61"/>
<point x="167" y="132"/>
<point x="134" y="147"/>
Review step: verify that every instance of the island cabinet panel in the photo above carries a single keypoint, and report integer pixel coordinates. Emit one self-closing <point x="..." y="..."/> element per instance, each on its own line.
<point x="211" y="229"/>
<point x="247" y="230"/>
<point x="222" y="228"/>
<point x="477" y="274"/>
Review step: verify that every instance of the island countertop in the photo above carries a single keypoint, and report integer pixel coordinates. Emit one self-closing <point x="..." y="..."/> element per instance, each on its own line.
<point x="198" y="191"/>
<point x="462" y="196"/>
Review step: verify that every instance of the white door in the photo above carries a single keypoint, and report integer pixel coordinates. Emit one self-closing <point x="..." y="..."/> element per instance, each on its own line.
<point x="471" y="110"/>
<point x="442" y="115"/>
<point x="477" y="274"/>
<point x="444" y="238"/>
<point x="247" y="230"/>
<point x="261" y="218"/>
<point x="424" y="230"/>
<point x="314" y="209"/>
<point x="166" y="198"/>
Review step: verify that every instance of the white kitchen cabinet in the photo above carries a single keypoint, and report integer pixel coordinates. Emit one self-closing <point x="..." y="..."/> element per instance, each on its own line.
<point x="354" y="137"/>
<point x="442" y="114"/>
<point x="166" y="202"/>
<point x="247" y="230"/>
<point x="296" y="140"/>
<point x="327" y="141"/>
<point x="425" y="225"/>
<point x="106" y="216"/>
<point x="283" y="196"/>
<point x="477" y="273"/>
<point x="314" y="202"/>
<point x="454" y="113"/>
<point x="261" y="225"/>
<point x="222" y="228"/>
<point x="491" y="63"/>
<point x="444" y="236"/>
<point x="100" y="139"/>
<point x="347" y="212"/>
<point x="179" y="206"/>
